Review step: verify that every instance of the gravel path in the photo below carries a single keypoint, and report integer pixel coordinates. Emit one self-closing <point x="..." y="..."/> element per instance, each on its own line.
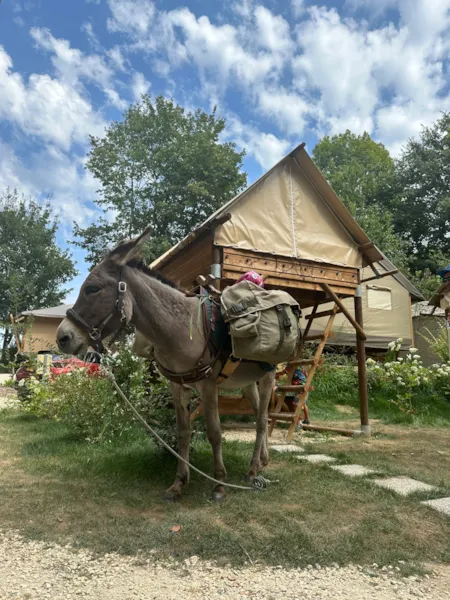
<point x="35" y="570"/>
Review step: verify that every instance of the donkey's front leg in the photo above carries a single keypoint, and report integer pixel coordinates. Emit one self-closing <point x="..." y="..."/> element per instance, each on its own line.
<point x="181" y="397"/>
<point x="213" y="431"/>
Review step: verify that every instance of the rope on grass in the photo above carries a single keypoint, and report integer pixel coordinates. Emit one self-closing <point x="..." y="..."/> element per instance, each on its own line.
<point x="258" y="483"/>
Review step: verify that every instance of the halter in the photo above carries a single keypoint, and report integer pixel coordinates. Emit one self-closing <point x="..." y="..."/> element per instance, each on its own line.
<point x="95" y="332"/>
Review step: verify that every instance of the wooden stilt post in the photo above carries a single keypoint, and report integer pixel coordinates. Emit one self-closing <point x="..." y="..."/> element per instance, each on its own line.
<point x="361" y="356"/>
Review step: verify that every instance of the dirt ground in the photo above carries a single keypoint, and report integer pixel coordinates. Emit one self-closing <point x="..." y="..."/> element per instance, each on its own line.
<point x="34" y="570"/>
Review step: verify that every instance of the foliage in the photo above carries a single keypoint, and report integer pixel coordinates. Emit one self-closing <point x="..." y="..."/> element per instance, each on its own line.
<point x="403" y="378"/>
<point x="363" y="174"/>
<point x="400" y="390"/>
<point x="90" y="406"/>
<point x="160" y="166"/>
<point x="422" y="210"/>
<point x="438" y="343"/>
<point x="33" y="269"/>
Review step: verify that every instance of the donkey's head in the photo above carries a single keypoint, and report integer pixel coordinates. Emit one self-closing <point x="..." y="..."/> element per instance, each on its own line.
<point x="103" y="304"/>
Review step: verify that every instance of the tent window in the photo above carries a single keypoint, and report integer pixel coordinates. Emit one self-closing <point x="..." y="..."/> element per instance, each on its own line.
<point x="379" y="298"/>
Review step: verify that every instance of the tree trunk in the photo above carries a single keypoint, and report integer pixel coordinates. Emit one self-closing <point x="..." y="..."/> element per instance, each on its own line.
<point x="7" y="337"/>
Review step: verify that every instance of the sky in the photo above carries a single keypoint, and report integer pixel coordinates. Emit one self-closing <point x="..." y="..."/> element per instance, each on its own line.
<point x="280" y="71"/>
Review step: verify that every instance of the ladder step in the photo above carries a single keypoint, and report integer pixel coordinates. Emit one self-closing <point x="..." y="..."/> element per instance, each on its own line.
<point x="305" y="361"/>
<point x="291" y="388"/>
<point x="285" y="416"/>
<point x="325" y="313"/>
<point x="317" y="336"/>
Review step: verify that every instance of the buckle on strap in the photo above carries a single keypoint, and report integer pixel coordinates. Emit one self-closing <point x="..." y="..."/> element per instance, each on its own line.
<point x="122" y="287"/>
<point x="95" y="334"/>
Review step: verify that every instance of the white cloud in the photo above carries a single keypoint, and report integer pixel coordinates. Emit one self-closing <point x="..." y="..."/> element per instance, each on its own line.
<point x="243" y="9"/>
<point x="355" y="73"/>
<point x="88" y="29"/>
<point x="139" y="86"/>
<point x="273" y="33"/>
<point x="266" y="148"/>
<point x="131" y="16"/>
<point x="116" y="56"/>
<point x="46" y="107"/>
<point x="338" y="73"/>
<point x="287" y="109"/>
<point x="73" y="66"/>
<point x="298" y="7"/>
<point x="67" y="184"/>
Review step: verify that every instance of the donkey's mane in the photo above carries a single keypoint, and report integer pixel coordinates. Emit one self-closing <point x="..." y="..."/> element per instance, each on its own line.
<point x="140" y="265"/>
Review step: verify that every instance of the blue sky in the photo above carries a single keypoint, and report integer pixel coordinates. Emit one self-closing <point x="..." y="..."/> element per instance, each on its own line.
<point x="280" y="71"/>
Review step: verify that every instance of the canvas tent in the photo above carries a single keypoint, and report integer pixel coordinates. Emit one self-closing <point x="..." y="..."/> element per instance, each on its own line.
<point x="387" y="305"/>
<point x="291" y="211"/>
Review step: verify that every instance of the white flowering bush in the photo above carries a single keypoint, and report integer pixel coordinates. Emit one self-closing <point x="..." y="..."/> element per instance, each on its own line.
<point x="404" y="380"/>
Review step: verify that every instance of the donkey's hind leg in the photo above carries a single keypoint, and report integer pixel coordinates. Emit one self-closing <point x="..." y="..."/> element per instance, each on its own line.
<point x="181" y="397"/>
<point x="259" y="398"/>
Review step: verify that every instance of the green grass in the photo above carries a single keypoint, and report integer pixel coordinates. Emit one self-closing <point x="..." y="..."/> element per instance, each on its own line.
<point x="109" y="498"/>
<point x="336" y="387"/>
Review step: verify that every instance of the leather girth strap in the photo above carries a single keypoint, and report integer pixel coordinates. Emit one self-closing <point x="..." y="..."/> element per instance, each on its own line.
<point x="185" y="378"/>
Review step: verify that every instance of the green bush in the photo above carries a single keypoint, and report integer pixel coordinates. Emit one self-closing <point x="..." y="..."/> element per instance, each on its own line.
<point x="400" y="390"/>
<point x="91" y="407"/>
<point x="438" y="343"/>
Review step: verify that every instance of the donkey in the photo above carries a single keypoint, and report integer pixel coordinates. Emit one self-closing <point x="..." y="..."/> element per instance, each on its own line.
<point x="122" y="289"/>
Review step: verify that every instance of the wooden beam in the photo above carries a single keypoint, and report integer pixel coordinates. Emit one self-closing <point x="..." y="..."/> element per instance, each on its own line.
<point x="366" y="246"/>
<point x="316" y="336"/>
<point x="380" y="276"/>
<point x="305" y="362"/>
<point x="338" y="301"/>
<point x="347" y="432"/>
<point x="325" y="313"/>
<point x="291" y="388"/>
<point x="362" y="377"/>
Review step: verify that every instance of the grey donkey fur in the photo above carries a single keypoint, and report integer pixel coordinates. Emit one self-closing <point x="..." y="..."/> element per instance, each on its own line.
<point x="167" y="328"/>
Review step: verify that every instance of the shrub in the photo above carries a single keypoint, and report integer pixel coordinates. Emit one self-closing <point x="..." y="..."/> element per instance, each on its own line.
<point x="91" y="408"/>
<point x="438" y="343"/>
<point x="407" y="384"/>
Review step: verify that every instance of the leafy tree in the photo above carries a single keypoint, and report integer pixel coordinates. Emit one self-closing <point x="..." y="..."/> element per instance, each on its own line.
<point x="422" y="209"/>
<point x="33" y="269"/>
<point x="363" y="175"/>
<point x="160" y="166"/>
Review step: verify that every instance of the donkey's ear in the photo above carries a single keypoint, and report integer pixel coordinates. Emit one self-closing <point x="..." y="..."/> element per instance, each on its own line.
<point x="128" y="250"/>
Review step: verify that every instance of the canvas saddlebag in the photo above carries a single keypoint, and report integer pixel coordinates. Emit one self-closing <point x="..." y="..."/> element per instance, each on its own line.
<point x="264" y="324"/>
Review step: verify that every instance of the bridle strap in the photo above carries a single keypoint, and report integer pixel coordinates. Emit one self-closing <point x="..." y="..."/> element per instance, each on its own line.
<point x="95" y="332"/>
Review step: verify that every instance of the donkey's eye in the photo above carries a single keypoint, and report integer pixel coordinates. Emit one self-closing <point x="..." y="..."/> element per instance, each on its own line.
<point x="91" y="289"/>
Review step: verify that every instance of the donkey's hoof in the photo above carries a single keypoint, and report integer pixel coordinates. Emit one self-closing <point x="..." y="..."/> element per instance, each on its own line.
<point x="171" y="496"/>
<point x="218" y="494"/>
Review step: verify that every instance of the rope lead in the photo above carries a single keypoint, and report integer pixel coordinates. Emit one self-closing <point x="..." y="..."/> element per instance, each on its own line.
<point x="257" y="483"/>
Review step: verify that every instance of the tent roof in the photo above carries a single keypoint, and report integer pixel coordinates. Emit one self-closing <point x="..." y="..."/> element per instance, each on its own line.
<point x="317" y="180"/>
<point x="54" y="312"/>
<point x="424" y="309"/>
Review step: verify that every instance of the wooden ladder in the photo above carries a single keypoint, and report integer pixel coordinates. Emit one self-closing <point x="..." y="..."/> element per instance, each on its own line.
<point x="298" y="361"/>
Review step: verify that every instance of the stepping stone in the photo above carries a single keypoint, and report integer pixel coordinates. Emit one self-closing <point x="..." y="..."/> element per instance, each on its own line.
<point x="353" y="470"/>
<point x="287" y="448"/>
<point x="317" y="458"/>
<point x="403" y="485"/>
<point x="440" y="504"/>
